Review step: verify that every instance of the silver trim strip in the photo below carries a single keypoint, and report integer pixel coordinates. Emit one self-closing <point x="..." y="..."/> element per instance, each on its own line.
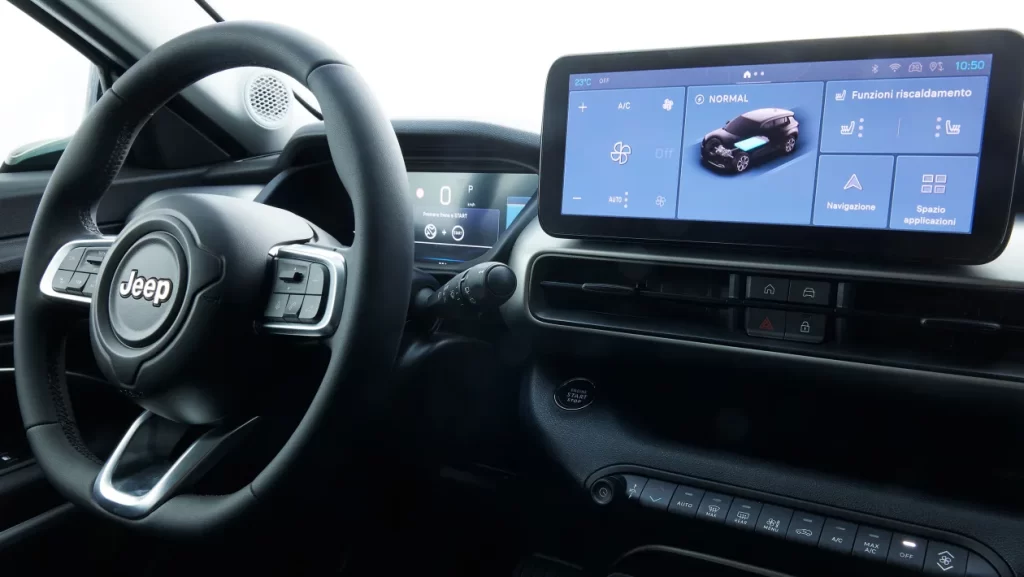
<point x="337" y="270"/>
<point x="6" y="318"/>
<point x="46" y="283"/>
<point x="147" y="496"/>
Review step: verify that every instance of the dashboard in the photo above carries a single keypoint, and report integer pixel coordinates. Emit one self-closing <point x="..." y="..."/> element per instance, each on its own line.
<point x="725" y="343"/>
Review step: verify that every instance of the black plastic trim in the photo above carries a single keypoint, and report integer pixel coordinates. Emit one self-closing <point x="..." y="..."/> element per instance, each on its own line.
<point x="825" y="510"/>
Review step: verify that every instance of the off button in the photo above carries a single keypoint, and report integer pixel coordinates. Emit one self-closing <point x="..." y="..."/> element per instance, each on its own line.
<point x="908" y="551"/>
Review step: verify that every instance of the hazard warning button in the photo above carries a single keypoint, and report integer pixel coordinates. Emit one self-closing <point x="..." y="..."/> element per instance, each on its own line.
<point x="766" y="323"/>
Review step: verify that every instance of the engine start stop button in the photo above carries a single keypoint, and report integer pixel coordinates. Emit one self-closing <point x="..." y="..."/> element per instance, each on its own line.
<point x="575" y="394"/>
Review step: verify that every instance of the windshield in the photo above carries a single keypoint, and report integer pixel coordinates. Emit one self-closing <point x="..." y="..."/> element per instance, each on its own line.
<point x="489" y="61"/>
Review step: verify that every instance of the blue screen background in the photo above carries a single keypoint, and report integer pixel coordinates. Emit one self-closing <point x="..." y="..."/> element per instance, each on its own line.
<point x="882" y="129"/>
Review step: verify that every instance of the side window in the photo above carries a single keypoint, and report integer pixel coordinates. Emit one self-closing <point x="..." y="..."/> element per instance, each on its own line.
<point x="45" y="92"/>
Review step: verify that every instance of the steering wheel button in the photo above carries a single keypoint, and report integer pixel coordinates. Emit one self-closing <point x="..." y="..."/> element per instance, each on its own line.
<point x="293" y="306"/>
<point x="90" y="285"/>
<point x="276" y="306"/>
<point x="72" y="259"/>
<point x="92" y="261"/>
<point x="77" y="282"/>
<point x="291" y="276"/>
<point x="317" y="279"/>
<point x="61" y="280"/>
<point x="310" y="308"/>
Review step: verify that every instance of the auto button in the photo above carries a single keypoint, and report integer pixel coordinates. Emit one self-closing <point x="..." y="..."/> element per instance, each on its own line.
<point x="686" y="501"/>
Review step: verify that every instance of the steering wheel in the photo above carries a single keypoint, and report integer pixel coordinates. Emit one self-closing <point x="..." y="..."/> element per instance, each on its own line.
<point x="178" y="302"/>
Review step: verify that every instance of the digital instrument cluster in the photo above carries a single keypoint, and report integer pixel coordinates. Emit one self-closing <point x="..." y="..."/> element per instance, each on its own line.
<point x="460" y="216"/>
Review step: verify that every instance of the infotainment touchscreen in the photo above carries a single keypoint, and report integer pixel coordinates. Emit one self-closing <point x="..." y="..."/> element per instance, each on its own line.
<point x="900" y="147"/>
<point x="881" y="143"/>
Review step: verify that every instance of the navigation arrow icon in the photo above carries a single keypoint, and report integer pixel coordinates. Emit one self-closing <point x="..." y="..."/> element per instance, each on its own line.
<point x="853" y="182"/>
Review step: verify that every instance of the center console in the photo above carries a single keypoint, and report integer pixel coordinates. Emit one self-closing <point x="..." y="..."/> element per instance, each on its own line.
<point x="774" y="303"/>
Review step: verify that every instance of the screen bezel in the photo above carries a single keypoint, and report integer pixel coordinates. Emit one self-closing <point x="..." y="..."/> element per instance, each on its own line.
<point x="1000" y="150"/>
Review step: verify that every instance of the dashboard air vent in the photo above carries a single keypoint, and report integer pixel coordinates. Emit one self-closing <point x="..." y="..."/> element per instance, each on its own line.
<point x="937" y="327"/>
<point x="631" y="296"/>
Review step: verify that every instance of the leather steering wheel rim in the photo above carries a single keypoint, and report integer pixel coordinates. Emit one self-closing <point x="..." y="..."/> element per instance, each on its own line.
<point x="370" y="164"/>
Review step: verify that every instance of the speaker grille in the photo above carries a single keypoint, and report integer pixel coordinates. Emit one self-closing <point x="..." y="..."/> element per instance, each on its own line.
<point x="268" y="100"/>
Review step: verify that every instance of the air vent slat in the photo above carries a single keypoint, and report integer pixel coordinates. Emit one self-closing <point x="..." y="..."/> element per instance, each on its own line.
<point x="632" y="296"/>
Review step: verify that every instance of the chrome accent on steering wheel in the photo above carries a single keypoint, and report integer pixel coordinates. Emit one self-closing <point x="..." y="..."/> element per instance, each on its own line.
<point x="153" y="478"/>
<point x="46" y="283"/>
<point x="337" y="270"/>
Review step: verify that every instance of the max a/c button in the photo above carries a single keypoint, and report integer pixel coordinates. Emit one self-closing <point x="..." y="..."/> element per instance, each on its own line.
<point x="766" y="323"/>
<point x="872" y="543"/>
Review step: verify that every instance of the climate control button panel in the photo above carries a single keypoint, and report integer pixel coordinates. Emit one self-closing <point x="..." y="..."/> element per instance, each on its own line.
<point x="837" y="535"/>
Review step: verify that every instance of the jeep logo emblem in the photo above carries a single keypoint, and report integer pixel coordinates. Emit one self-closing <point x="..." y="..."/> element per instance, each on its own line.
<point x="157" y="290"/>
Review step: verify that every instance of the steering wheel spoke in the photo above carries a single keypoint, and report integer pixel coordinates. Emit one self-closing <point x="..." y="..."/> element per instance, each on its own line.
<point x="308" y="290"/>
<point x="73" y="272"/>
<point x="143" y="471"/>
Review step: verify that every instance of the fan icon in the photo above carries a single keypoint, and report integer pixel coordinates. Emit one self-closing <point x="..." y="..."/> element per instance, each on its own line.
<point x="660" y="201"/>
<point x="620" y="153"/>
<point x="667" y="105"/>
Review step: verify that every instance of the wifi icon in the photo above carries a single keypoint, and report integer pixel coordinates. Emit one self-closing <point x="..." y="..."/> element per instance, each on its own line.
<point x="894" y="66"/>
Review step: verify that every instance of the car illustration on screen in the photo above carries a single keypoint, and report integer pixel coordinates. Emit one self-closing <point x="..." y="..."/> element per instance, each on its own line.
<point x="751" y="137"/>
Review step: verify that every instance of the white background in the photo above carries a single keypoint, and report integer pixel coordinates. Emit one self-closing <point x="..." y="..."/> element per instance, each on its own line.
<point x="482" y="60"/>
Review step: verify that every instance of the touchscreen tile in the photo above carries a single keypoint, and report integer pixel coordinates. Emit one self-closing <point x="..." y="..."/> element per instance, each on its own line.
<point x="934" y="193"/>
<point x="911" y="115"/>
<point x="853" y="191"/>
<point x="622" y="152"/>
<point x="749" y="152"/>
